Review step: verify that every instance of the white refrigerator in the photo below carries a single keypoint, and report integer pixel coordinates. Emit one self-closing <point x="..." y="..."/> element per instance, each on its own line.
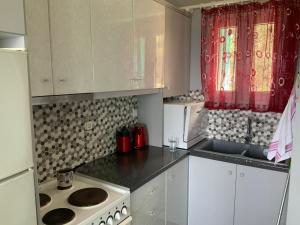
<point x="17" y="189"/>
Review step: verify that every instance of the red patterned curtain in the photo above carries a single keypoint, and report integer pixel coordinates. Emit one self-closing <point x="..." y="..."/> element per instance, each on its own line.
<point x="249" y="55"/>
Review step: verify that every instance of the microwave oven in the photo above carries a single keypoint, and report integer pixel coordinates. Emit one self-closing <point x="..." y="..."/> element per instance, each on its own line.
<point x="186" y="123"/>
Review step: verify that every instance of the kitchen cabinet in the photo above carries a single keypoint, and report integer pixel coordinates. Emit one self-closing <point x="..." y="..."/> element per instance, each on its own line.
<point x="12" y="16"/>
<point x="211" y="192"/>
<point x="148" y="202"/>
<point x="177" y="53"/>
<point x="177" y="193"/>
<point x="112" y="38"/>
<point x="149" y="34"/>
<point x="226" y="193"/>
<point x="70" y="30"/>
<point x="39" y="49"/>
<point x="163" y="200"/>
<point x="258" y="195"/>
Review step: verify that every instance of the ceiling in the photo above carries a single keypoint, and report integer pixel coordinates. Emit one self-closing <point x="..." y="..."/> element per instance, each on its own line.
<point x="181" y="3"/>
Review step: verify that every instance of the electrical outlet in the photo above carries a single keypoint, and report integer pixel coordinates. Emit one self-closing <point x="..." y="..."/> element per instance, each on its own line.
<point x="134" y="113"/>
<point x="89" y="125"/>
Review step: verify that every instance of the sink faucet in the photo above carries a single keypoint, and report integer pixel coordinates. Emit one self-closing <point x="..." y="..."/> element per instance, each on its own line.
<point x="249" y="135"/>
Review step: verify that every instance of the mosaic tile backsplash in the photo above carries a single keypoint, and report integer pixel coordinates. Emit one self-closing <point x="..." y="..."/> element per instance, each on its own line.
<point x="231" y="125"/>
<point x="64" y="139"/>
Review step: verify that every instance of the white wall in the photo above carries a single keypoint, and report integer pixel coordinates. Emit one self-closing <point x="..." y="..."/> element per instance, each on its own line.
<point x="293" y="217"/>
<point x="195" y="81"/>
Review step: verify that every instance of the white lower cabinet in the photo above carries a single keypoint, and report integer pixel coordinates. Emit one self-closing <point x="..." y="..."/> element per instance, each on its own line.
<point x="211" y="192"/>
<point x="258" y="196"/>
<point x="228" y="194"/>
<point x="163" y="200"/>
<point x="148" y="203"/>
<point x="177" y="193"/>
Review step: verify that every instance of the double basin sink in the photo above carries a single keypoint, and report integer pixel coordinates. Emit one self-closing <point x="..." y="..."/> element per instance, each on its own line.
<point x="239" y="152"/>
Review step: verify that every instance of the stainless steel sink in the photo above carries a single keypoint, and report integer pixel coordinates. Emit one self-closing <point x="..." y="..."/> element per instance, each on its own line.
<point x="220" y="146"/>
<point x="232" y="148"/>
<point x="233" y="151"/>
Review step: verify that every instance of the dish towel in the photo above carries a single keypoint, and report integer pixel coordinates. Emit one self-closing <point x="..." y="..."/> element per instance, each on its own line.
<point x="282" y="143"/>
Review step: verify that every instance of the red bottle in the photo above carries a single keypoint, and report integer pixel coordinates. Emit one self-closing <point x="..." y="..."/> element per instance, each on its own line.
<point x="123" y="140"/>
<point x="139" y="136"/>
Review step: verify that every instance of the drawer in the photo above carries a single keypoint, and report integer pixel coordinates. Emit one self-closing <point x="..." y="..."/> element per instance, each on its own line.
<point x="149" y="194"/>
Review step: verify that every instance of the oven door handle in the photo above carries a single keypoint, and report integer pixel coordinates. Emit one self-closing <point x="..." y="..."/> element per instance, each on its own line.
<point x="126" y="221"/>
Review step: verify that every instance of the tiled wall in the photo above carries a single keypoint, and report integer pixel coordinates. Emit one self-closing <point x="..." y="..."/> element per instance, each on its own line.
<point x="61" y="138"/>
<point x="232" y="125"/>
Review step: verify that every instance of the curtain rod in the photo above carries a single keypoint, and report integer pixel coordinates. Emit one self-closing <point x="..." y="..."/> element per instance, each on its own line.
<point x="217" y="3"/>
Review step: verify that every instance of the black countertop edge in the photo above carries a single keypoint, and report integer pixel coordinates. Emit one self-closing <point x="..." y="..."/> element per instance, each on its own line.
<point x="157" y="173"/>
<point x="240" y="160"/>
<point x="135" y="169"/>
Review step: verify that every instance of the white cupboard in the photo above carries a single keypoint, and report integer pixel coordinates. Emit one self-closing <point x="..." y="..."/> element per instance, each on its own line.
<point x="149" y="34"/>
<point x="177" y="53"/>
<point x="70" y="29"/>
<point x="112" y="40"/>
<point x="211" y="192"/>
<point x="148" y="202"/>
<point x="39" y="49"/>
<point x="177" y="193"/>
<point x="258" y="195"/>
<point x="230" y="194"/>
<point x="163" y="200"/>
<point x="12" y="16"/>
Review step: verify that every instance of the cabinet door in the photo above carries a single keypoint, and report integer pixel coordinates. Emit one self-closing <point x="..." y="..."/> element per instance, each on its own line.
<point x="38" y="44"/>
<point x="211" y="192"/>
<point x="148" y="203"/>
<point x="112" y="39"/>
<point x="70" y="29"/>
<point x="15" y="132"/>
<point x="177" y="55"/>
<point x="258" y="195"/>
<point x="177" y="193"/>
<point x="17" y="195"/>
<point x="149" y="32"/>
<point x="12" y="16"/>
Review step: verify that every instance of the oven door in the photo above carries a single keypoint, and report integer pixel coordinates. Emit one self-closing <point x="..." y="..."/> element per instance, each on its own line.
<point x="127" y="221"/>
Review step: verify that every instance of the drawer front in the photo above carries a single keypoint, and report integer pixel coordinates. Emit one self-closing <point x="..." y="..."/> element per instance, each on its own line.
<point x="152" y="192"/>
<point x="148" y="203"/>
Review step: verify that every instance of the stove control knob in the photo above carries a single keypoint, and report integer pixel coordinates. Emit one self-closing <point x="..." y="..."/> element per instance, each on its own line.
<point x="110" y="220"/>
<point x="117" y="215"/>
<point x="124" y="211"/>
<point x="102" y="223"/>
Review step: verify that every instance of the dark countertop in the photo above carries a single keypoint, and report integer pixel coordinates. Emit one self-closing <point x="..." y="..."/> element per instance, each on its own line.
<point x="240" y="160"/>
<point x="135" y="169"/>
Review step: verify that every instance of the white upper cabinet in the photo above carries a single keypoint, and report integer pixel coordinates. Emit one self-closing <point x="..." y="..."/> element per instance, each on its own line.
<point x="12" y="16"/>
<point x="177" y="55"/>
<point x="149" y="35"/>
<point x="258" y="195"/>
<point x="38" y="45"/>
<point x="70" y="28"/>
<point x="112" y="40"/>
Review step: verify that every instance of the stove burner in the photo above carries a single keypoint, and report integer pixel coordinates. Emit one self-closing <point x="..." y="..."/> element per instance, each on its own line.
<point x="87" y="197"/>
<point x="58" y="216"/>
<point x="44" y="199"/>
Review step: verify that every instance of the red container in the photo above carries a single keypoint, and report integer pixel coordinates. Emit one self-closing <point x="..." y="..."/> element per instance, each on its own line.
<point x="123" y="144"/>
<point x="123" y="140"/>
<point x="139" y="136"/>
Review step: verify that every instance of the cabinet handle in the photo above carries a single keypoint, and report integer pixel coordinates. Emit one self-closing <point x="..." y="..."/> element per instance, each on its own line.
<point x="45" y="80"/>
<point x="151" y="213"/>
<point x="230" y="172"/>
<point x="62" y="80"/>
<point x="242" y="174"/>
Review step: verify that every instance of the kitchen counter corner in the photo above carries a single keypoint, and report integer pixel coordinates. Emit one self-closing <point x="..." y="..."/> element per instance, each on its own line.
<point x="135" y="169"/>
